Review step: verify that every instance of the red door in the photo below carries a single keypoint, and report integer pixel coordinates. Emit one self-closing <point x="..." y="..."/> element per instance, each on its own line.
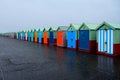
<point x="45" y="38"/>
<point x="60" y="38"/>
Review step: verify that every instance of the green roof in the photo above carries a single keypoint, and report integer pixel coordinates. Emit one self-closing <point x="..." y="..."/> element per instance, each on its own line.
<point x="26" y="31"/>
<point x="89" y="26"/>
<point x="50" y="29"/>
<point x="76" y="26"/>
<point x="35" y="30"/>
<point x="32" y="30"/>
<point x="22" y="31"/>
<point x="53" y="28"/>
<point x="111" y="25"/>
<point x="42" y="29"/>
<point x="47" y="28"/>
<point x="39" y="30"/>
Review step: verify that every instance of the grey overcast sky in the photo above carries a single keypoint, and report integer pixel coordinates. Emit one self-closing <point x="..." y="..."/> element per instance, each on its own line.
<point x="17" y="15"/>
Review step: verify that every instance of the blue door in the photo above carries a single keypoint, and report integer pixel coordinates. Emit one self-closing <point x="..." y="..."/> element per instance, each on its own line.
<point x="105" y="41"/>
<point x="28" y="36"/>
<point x="84" y="39"/>
<point x="40" y="37"/>
<point x="19" y="36"/>
<point x="71" y="39"/>
<point x="51" y="38"/>
<point x="23" y="35"/>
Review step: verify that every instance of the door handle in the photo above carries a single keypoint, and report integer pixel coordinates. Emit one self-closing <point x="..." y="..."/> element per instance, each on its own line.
<point x="105" y="42"/>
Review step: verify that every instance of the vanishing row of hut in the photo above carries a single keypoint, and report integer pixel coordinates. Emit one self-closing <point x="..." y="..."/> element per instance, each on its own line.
<point x="90" y="38"/>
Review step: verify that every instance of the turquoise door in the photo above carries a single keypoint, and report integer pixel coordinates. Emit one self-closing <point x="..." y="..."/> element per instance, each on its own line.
<point x="19" y="36"/>
<point x="28" y="36"/>
<point x="71" y="39"/>
<point x="23" y="35"/>
<point x="105" y="41"/>
<point x="32" y="36"/>
<point x="40" y="37"/>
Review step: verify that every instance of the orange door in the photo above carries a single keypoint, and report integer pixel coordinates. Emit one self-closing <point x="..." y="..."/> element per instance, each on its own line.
<point x="35" y="36"/>
<point x="45" y="38"/>
<point x="60" y="38"/>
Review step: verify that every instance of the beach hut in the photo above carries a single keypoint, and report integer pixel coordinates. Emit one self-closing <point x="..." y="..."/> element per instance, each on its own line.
<point x="72" y="36"/>
<point x="14" y="35"/>
<point x="35" y="36"/>
<point x="18" y="35"/>
<point x="61" y="36"/>
<point x="46" y="36"/>
<point x="32" y="36"/>
<point x="7" y="34"/>
<point x="108" y="39"/>
<point x="28" y="37"/>
<point x="52" y="35"/>
<point x="10" y="34"/>
<point x="40" y="35"/>
<point x="42" y="30"/>
<point x="87" y="37"/>
<point x="23" y="35"/>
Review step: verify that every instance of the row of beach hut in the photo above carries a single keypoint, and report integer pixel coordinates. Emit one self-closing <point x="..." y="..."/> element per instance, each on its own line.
<point x="90" y="38"/>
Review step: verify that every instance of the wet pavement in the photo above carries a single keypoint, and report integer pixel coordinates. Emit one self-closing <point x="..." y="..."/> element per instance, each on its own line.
<point x="21" y="60"/>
